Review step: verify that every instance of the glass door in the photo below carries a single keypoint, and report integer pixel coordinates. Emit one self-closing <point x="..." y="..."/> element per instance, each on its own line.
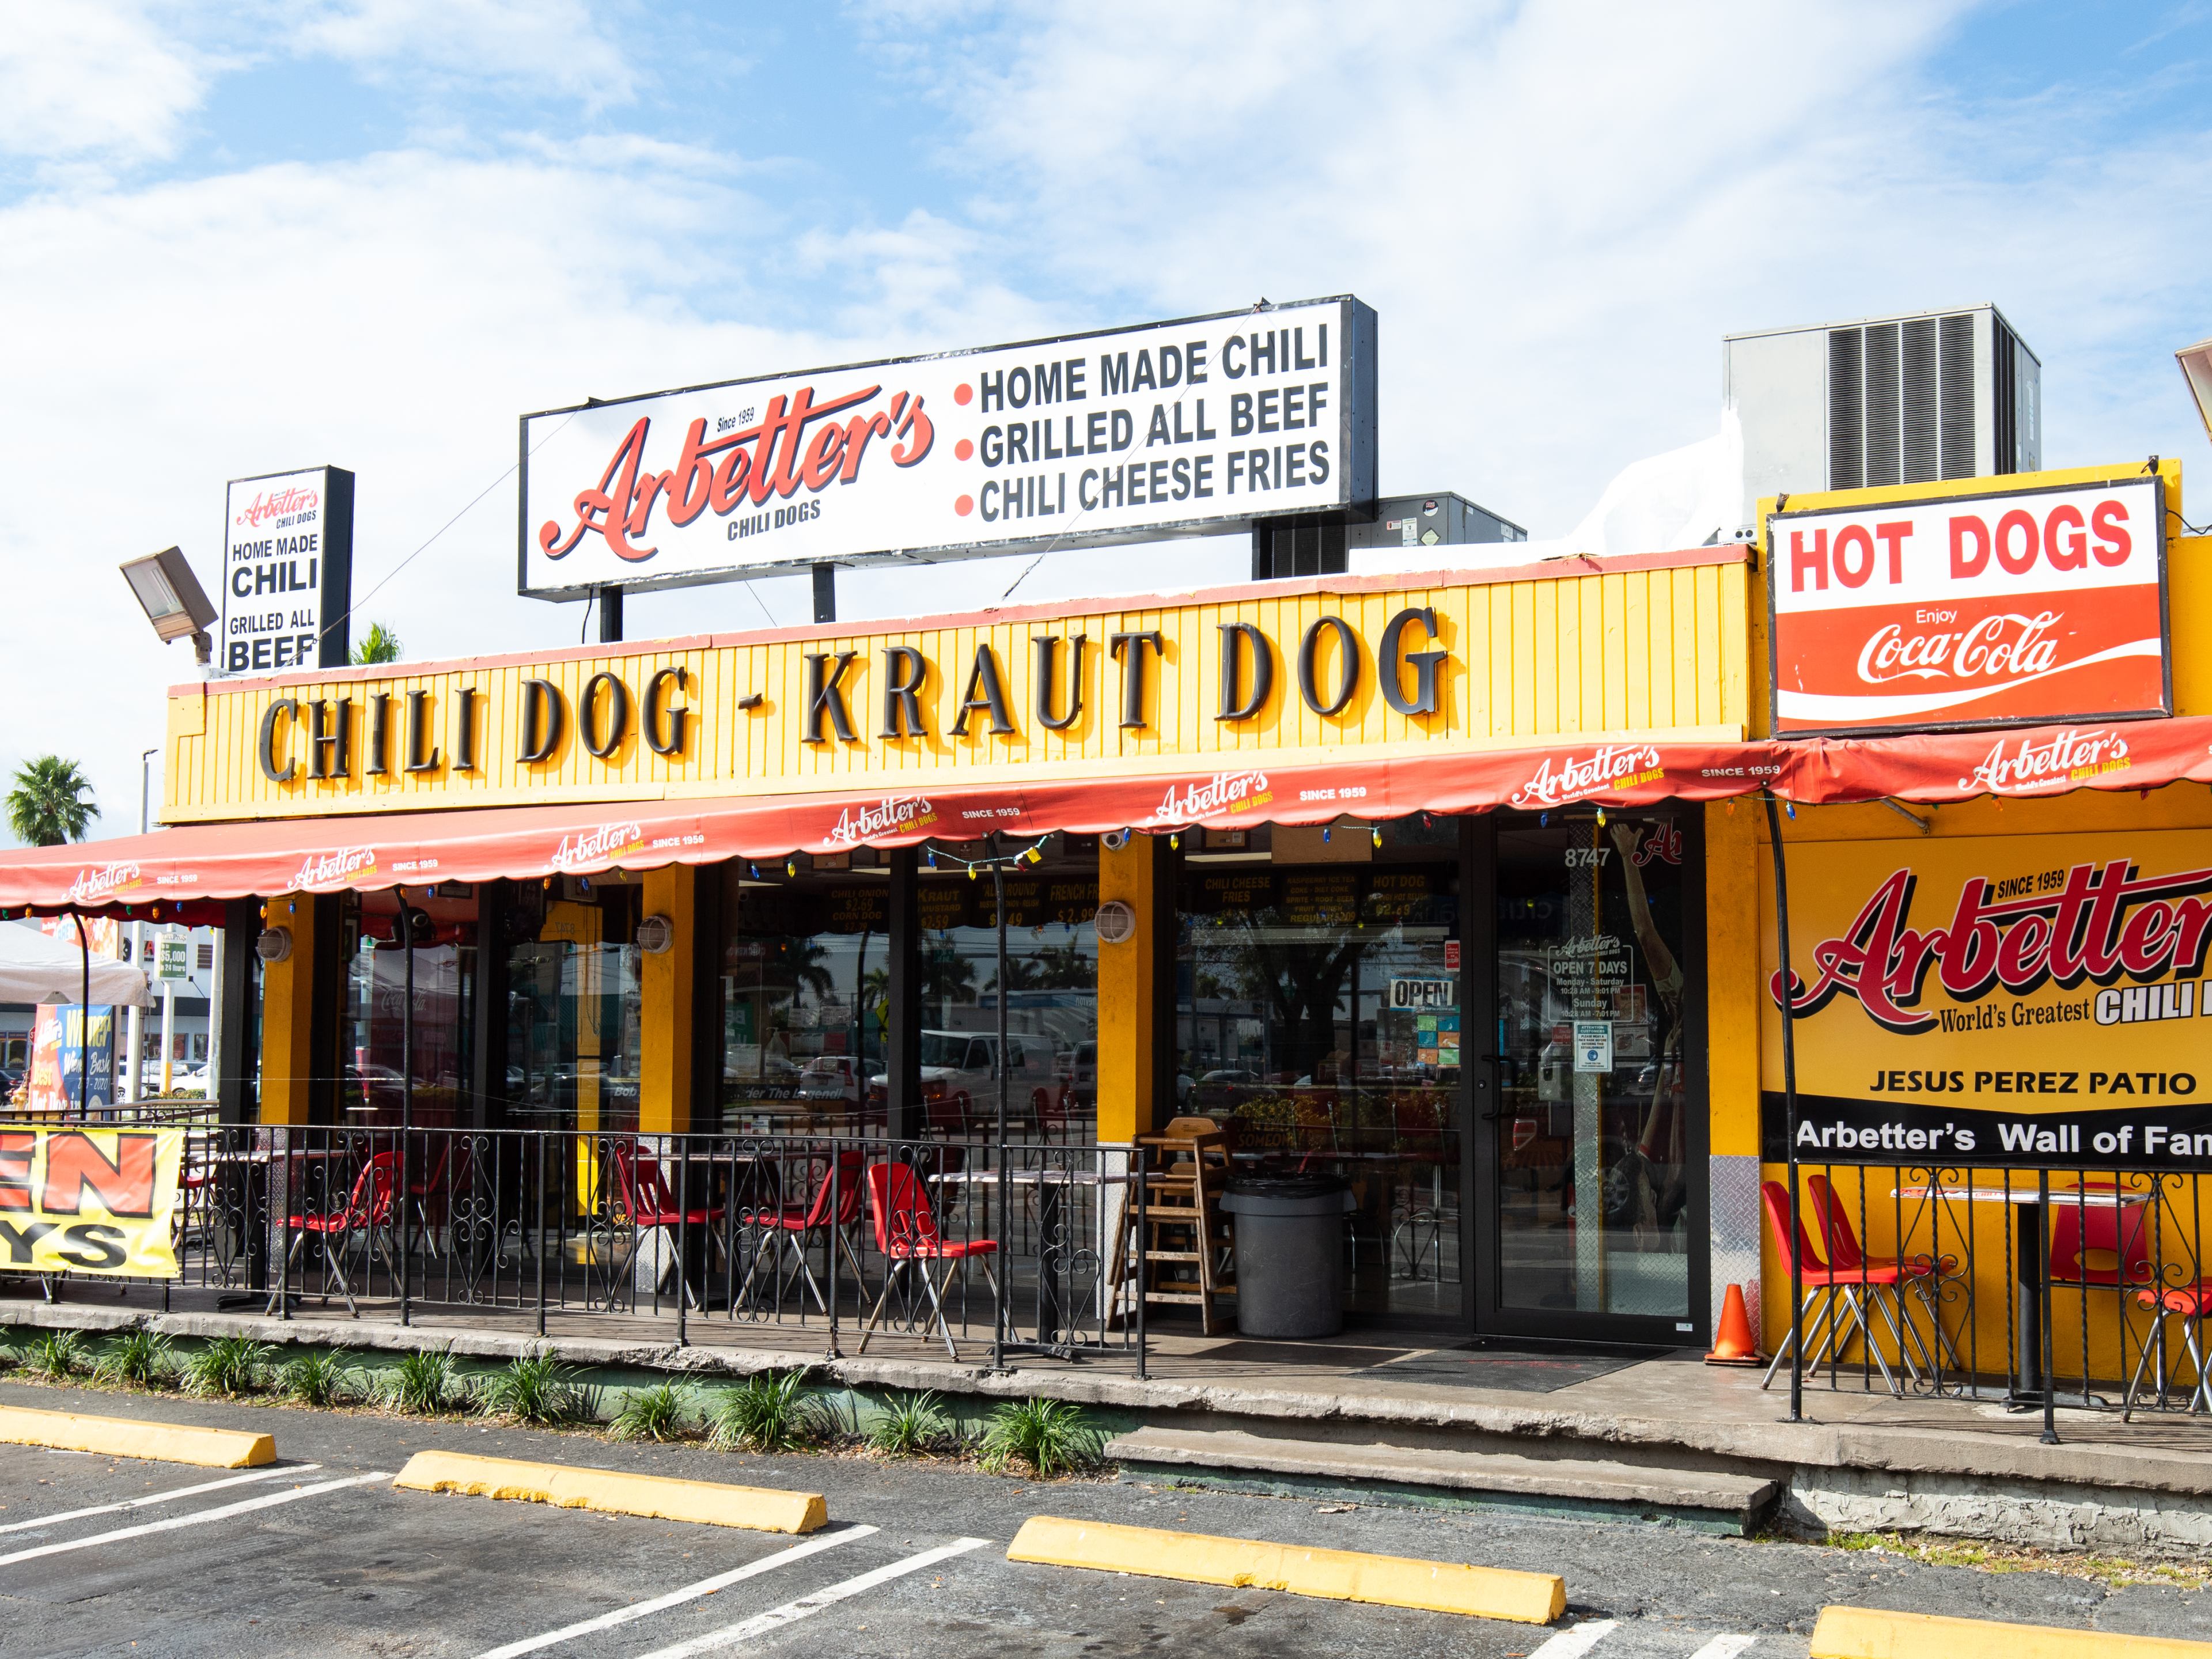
<point x="1591" y="1158"/>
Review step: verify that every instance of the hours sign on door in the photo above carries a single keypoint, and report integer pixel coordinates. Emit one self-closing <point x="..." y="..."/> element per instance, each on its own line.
<point x="2040" y="606"/>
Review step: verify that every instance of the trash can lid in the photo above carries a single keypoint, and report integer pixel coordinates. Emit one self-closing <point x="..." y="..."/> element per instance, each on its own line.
<point x="1289" y="1186"/>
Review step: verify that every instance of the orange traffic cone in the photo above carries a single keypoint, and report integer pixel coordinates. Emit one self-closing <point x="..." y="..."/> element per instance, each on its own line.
<point x="1735" y="1345"/>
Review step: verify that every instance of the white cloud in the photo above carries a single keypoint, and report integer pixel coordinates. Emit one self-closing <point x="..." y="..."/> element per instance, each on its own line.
<point x="94" y="78"/>
<point x="537" y="46"/>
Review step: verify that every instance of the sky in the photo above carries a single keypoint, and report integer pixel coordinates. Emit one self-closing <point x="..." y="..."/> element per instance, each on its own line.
<point x="240" y="239"/>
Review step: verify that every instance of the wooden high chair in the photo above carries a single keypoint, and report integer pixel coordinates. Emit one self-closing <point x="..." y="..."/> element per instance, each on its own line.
<point x="1189" y="1253"/>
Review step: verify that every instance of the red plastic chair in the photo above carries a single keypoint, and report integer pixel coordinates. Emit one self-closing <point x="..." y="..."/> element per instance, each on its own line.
<point x="1840" y="1290"/>
<point x="2191" y="1305"/>
<point x="793" y="1227"/>
<point x="367" y="1207"/>
<point x="1891" y="1278"/>
<point x="906" y="1233"/>
<point x="642" y="1199"/>
<point x="2119" y="1233"/>
<point x="948" y="1111"/>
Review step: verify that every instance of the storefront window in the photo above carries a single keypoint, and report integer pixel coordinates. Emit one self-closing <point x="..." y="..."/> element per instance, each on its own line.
<point x="1595" y="1182"/>
<point x="1051" y="994"/>
<point x="806" y="985"/>
<point x="374" y="1044"/>
<point x="574" y="1005"/>
<point x="1317" y="1015"/>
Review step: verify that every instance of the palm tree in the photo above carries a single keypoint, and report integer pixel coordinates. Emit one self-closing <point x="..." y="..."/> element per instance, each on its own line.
<point x="51" y="802"/>
<point x="379" y="645"/>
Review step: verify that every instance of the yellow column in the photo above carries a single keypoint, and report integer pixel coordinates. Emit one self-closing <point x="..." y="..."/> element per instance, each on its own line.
<point x="288" y="1001"/>
<point x="668" y="981"/>
<point x="1129" y="990"/>
<point x="1733" y="852"/>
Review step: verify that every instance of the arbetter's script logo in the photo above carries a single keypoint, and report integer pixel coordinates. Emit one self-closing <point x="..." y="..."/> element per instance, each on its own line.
<point x="893" y="814"/>
<point x="279" y="504"/>
<point x="322" y="869"/>
<point x="1223" y="792"/>
<point x="776" y="457"/>
<point x="1999" y="648"/>
<point x="99" y="883"/>
<point x="2100" y="923"/>
<point x="1565" y="777"/>
<point x="2058" y="762"/>
<point x="609" y="840"/>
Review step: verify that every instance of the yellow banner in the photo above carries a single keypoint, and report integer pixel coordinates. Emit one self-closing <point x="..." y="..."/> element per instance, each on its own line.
<point x="2002" y="999"/>
<point x="90" y="1200"/>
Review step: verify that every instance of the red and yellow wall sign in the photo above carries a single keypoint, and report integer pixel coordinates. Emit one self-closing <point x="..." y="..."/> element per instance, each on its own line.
<point x="89" y="1201"/>
<point x="2029" y="1000"/>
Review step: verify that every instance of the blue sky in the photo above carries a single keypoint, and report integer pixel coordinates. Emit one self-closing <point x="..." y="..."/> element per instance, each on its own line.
<point x="236" y="239"/>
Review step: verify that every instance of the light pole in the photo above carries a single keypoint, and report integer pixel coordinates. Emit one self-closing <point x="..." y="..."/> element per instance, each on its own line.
<point x="134" y="1020"/>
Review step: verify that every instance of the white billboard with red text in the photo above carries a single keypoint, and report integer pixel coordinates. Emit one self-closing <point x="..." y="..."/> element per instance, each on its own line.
<point x="1190" y="427"/>
<point x="1977" y="610"/>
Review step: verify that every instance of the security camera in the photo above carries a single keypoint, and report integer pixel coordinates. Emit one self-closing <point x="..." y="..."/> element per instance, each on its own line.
<point x="1114" y="840"/>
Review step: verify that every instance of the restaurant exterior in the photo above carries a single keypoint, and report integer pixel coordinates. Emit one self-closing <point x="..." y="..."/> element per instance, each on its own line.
<point x="1459" y="885"/>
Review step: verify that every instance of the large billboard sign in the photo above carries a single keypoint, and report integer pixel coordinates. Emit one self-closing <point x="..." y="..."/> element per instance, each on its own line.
<point x="2040" y="606"/>
<point x="287" y="572"/>
<point x="1199" y="425"/>
<point x="1994" y="1000"/>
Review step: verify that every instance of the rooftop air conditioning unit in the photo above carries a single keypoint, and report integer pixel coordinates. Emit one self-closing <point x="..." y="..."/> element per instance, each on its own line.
<point x="1883" y="400"/>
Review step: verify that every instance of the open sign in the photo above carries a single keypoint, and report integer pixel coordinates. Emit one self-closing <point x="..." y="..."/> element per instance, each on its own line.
<point x="1425" y="993"/>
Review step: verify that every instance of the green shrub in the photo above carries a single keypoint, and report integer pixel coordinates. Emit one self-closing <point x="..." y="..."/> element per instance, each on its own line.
<point x="910" y="1423"/>
<point x="769" y="1412"/>
<point x="422" y="1382"/>
<point x="58" y="1355"/>
<point x="229" y="1365"/>
<point x="660" y="1413"/>
<point x="137" y="1359"/>
<point x="535" y="1388"/>
<point x="317" y="1379"/>
<point x="1049" y="1435"/>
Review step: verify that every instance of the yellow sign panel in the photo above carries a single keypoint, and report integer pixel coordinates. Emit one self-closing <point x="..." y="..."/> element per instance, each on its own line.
<point x="2002" y="1000"/>
<point x="1287" y="674"/>
<point x="89" y="1201"/>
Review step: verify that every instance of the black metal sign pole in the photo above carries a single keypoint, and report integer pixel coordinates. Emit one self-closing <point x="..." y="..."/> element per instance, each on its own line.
<point x="1789" y="1108"/>
<point x="1005" y="1276"/>
<point x="84" y="1020"/>
<point x="406" y="1104"/>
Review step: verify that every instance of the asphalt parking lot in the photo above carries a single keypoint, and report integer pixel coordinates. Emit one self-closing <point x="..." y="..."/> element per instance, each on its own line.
<point x="320" y="1554"/>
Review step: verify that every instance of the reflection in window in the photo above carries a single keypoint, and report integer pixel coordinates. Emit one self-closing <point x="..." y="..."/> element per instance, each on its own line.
<point x="372" y="1039"/>
<point x="574" y="1006"/>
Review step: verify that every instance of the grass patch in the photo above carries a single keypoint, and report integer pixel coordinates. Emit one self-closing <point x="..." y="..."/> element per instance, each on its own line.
<point x="423" y="1383"/>
<point x="318" y="1379"/>
<point x="661" y="1413"/>
<point x="1050" y="1436"/>
<point x="769" y="1412"/>
<point x="911" y="1424"/>
<point x="226" y="1365"/>
<point x="535" y="1390"/>
<point x="137" y="1359"/>
<point x="58" y="1355"/>
<point x="2114" y="1572"/>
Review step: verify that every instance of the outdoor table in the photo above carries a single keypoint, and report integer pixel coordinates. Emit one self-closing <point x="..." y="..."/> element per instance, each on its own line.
<point x="1050" y="1188"/>
<point x="2031" y="1262"/>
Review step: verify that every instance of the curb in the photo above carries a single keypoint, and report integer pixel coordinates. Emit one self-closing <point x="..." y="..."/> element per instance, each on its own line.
<point x="1394" y="1581"/>
<point x="126" y="1436"/>
<point x="1869" y="1633"/>
<point x="612" y="1492"/>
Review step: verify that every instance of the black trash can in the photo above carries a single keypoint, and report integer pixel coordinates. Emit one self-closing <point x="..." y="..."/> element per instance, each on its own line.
<point x="1289" y="1253"/>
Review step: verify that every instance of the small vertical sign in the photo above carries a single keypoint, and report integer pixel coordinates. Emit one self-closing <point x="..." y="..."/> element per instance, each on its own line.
<point x="287" y="572"/>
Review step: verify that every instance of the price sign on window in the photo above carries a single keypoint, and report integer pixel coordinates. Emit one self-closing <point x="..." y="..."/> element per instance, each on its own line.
<point x="173" y="960"/>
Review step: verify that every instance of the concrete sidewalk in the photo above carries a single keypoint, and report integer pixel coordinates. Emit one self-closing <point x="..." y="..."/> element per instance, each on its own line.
<point x="1860" y="1459"/>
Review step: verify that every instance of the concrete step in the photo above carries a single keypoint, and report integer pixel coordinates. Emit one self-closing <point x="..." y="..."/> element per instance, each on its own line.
<point x="1378" y="1472"/>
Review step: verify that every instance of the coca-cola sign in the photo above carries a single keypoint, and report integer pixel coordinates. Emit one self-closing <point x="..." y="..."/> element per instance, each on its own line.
<point x="2038" y="605"/>
<point x="1188" y="427"/>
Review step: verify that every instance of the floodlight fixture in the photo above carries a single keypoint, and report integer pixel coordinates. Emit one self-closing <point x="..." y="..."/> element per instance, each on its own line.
<point x="172" y="599"/>
<point x="2196" y="368"/>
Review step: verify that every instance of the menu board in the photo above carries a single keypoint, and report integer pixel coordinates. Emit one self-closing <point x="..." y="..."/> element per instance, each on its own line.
<point x="1319" y="898"/>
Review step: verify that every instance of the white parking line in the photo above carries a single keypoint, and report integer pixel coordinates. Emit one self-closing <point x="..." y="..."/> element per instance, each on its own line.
<point x="160" y="1497"/>
<point x="807" y="1606"/>
<point x="813" y="1545"/>
<point x="1723" y="1647"/>
<point x="1573" y="1644"/>
<point x="200" y="1519"/>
